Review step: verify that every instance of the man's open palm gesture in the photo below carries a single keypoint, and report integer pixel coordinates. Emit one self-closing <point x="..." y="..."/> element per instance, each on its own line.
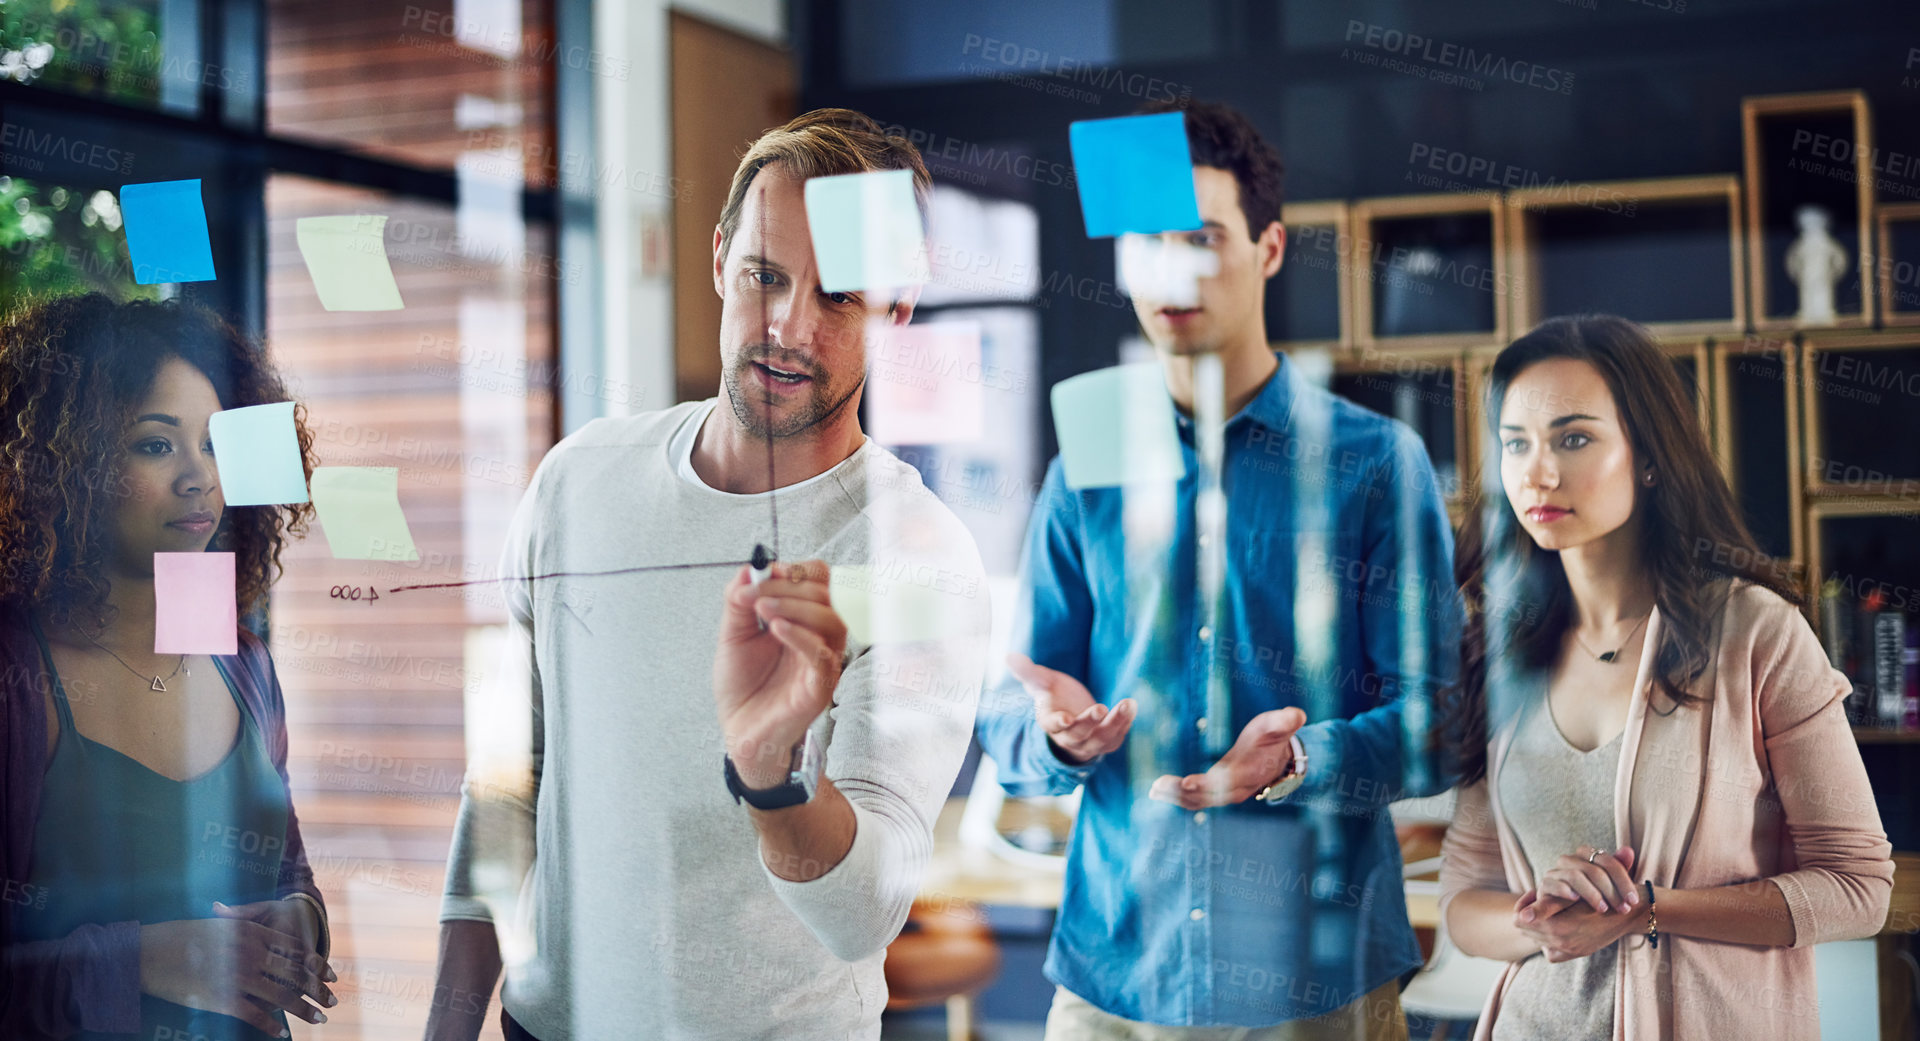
<point x="1080" y="728"/>
<point x="1260" y="756"/>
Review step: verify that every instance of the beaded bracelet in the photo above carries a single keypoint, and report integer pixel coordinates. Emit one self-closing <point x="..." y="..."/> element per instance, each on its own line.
<point x="1653" y="923"/>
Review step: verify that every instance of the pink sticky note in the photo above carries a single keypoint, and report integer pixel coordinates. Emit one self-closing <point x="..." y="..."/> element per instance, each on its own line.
<point x="926" y="386"/>
<point x="194" y="608"/>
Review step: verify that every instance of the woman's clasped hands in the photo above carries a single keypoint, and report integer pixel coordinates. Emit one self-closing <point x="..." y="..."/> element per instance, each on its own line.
<point x="1585" y="902"/>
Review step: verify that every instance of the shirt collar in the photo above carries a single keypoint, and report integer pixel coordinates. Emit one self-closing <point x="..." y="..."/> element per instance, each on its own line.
<point x="1270" y="408"/>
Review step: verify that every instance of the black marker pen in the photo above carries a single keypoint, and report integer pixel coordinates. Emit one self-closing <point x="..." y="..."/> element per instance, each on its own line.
<point x="760" y="566"/>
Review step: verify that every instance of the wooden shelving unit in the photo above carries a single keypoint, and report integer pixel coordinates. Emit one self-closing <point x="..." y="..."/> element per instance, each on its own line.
<point x="1320" y="232"/>
<point x="1694" y="356"/>
<point x="1427" y="366"/>
<point x="1372" y="257"/>
<point x="1844" y="108"/>
<point x="1831" y="509"/>
<point x="1819" y="468"/>
<point x="1629" y="207"/>
<point x="1898" y="277"/>
<point x="1875" y="736"/>
<point x="1726" y="356"/>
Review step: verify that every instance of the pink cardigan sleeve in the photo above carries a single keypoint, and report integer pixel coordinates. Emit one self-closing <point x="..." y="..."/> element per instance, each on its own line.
<point x="1470" y="853"/>
<point x="1844" y="880"/>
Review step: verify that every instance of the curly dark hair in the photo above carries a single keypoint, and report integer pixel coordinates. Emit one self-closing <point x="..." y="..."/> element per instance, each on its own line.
<point x="1519" y="604"/>
<point x="1222" y="137"/>
<point x="72" y="371"/>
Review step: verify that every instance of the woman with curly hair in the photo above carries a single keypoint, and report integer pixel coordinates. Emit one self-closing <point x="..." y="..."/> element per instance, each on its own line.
<point x="1662" y="807"/>
<point x="155" y="881"/>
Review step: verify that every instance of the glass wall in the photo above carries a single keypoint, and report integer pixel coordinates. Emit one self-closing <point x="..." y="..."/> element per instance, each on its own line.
<point x="439" y="117"/>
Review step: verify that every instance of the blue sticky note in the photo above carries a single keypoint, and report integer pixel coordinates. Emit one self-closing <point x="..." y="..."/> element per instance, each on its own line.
<point x="866" y="231"/>
<point x="167" y="232"/>
<point x="1135" y="174"/>
<point x="1116" y="426"/>
<point x="258" y="455"/>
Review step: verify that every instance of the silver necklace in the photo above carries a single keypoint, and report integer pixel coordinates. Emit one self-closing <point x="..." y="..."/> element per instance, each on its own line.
<point x="155" y="681"/>
<point x="1610" y="656"/>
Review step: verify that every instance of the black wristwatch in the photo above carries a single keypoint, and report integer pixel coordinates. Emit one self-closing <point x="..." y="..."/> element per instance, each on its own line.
<point x="803" y="779"/>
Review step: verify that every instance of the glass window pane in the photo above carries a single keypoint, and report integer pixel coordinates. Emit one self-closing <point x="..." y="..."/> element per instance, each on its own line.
<point x="456" y="391"/>
<point x="56" y="240"/>
<point x="983" y="249"/>
<point x="983" y="480"/>
<point x="137" y="52"/>
<point x="454" y="76"/>
<point x="888" y="43"/>
<point x="1089" y="52"/>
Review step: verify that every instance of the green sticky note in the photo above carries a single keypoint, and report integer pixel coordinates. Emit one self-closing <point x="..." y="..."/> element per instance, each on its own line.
<point x="347" y="260"/>
<point x="866" y="231"/>
<point x="359" y="509"/>
<point x="880" y="607"/>
<point x="1116" y="426"/>
<point x="257" y="452"/>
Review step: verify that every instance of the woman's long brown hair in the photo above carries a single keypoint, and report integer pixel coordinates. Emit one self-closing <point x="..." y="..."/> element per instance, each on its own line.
<point x="1518" y="603"/>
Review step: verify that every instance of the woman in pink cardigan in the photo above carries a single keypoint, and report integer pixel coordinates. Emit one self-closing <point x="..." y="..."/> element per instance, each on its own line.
<point x="1661" y="806"/>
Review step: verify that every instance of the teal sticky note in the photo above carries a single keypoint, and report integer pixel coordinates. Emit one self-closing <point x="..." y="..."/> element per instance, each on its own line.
<point x="258" y="455"/>
<point x="1135" y="174"/>
<point x="347" y="259"/>
<point x="166" y="227"/>
<point x="1116" y="426"/>
<point x="866" y="231"/>
<point x="359" y="509"/>
<point x="195" y="608"/>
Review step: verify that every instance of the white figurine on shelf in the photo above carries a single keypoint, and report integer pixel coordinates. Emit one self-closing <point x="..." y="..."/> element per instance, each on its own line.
<point x="1816" y="263"/>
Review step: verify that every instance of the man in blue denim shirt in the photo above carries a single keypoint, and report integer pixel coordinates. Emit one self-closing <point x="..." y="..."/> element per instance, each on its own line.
<point x="1260" y="887"/>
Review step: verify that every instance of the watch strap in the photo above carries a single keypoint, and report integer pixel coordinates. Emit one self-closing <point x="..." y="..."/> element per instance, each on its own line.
<point x="1295" y="776"/>
<point x="803" y="777"/>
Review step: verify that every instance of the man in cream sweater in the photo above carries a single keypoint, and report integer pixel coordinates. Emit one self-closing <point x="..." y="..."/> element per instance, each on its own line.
<point x="731" y="800"/>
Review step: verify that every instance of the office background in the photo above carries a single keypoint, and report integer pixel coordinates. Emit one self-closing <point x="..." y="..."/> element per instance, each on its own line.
<point x="551" y="170"/>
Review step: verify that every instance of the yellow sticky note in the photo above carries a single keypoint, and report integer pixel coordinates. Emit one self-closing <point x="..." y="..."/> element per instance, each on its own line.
<point x="359" y="510"/>
<point x="347" y="259"/>
<point x="879" y="608"/>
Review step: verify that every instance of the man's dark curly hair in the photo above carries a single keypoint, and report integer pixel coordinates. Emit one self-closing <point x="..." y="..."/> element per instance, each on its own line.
<point x="72" y="371"/>
<point x="1219" y="136"/>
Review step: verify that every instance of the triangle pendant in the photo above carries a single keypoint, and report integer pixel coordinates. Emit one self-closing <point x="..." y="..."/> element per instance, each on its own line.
<point x="157" y="685"/>
<point x="1608" y="657"/>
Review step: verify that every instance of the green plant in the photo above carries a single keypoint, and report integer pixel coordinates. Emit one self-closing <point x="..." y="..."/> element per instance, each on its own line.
<point x="107" y="48"/>
<point x="55" y="241"/>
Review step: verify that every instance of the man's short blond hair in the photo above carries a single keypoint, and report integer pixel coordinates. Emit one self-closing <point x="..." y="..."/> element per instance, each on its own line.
<point x="822" y="143"/>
